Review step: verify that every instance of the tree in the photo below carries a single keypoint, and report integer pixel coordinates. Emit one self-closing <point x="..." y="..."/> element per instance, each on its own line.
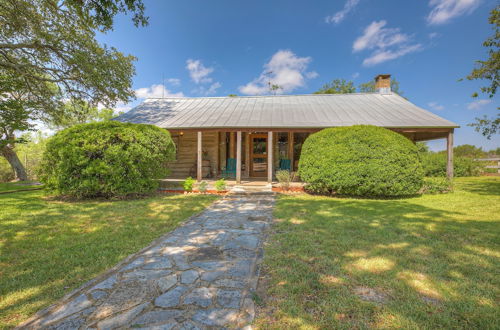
<point x="369" y="87"/>
<point x="489" y="70"/>
<point x="79" y="112"/>
<point x="468" y="150"/>
<point x="337" y="86"/>
<point x="48" y="53"/>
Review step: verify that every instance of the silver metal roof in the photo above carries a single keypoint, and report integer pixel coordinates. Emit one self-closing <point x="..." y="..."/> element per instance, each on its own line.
<point x="284" y="111"/>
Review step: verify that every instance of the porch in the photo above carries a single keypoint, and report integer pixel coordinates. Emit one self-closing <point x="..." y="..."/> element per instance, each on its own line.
<point x="253" y="155"/>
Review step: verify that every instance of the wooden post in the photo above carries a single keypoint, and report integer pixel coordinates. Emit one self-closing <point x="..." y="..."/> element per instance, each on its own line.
<point x="449" y="150"/>
<point x="238" y="157"/>
<point x="199" y="163"/>
<point x="270" y="157"/>
<point x="290" y="150"/>
<point x="232" y="146"/>
<point x="247" y="154"/>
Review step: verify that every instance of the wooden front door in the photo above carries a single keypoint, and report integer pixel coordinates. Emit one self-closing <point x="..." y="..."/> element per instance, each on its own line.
<point x="258" y="155"/>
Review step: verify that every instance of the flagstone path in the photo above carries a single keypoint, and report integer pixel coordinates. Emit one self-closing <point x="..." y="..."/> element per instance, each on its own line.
<point x="200" y="275"/>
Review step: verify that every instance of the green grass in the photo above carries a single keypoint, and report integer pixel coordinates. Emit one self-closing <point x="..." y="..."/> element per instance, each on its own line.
<point x="433" y="261"/>
<point x="49" y="247"/>
<point x="21" y="185"/>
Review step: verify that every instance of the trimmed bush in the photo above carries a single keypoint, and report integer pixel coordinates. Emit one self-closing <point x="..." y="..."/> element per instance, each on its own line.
<point x="436" y="186"/>
<point x="435" y="165"/>
<point x="360" y="160"/>
<point x="106" y="159"/>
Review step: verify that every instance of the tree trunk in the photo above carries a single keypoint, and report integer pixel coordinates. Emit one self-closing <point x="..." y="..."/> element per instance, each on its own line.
<point x="11" y="156"/>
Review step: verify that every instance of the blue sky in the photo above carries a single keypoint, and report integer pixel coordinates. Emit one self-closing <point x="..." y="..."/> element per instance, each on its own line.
<point x="215" y="48"/>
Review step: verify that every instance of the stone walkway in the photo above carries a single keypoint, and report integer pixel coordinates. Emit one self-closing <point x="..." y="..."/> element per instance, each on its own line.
<point x="199" y="276"/>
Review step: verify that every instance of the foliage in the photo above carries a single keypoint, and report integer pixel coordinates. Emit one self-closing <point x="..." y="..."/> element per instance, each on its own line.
<point x="203" y="186"/>
<point x="489" y="70"/>
<point x="6" y="173"/>
<point x="360" y="160"/>
<point x="51" y="247"/>
<point x="434" y="164"/>
<point x="188" y="184"/>
<point x="487" y="126"/>
<point x="284" y="178"/>
<point x="106" y="159"/>
<point x="337" y="86"/>
<point x="428" y="262"/>
<point x="436" y="186"/>
<point x="468" y="150"/>
<point x="102" y="12"/>
<point x="369" y="87"/>
<point x="49" y="53"/>
<point x="220" y="185"/>
<point x="79" y="112"/>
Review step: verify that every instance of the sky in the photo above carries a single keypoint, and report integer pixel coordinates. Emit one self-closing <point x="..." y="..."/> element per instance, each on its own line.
<point x="215" y="48"/>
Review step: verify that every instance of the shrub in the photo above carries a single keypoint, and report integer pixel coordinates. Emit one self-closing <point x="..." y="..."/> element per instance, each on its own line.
<point x="106" y="159"/>
<point x="6" y="173"/>
<point x="203" y="186"/>
<point x="220" y="185"/>
<point x="436" y="186"/>
<point x="188" y="184"/>
<point x="434" y="164"/>
<point x="360" y="161"/>
<point x="284" y="178"/>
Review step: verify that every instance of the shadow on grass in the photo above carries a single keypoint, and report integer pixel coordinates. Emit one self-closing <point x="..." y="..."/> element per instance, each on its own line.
<point x="48" y="247"/>
<point x="420" y="265"/>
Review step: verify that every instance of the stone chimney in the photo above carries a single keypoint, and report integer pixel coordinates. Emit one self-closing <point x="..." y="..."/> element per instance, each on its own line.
<point x="383" y="83"/>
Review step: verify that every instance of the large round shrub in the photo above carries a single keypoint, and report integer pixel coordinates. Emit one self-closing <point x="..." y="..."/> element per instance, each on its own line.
<point x="360" y="160"/>
<point x="106" y="159"/>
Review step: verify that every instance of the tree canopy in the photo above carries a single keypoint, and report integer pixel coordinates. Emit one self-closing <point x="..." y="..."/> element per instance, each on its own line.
<point x="337" y="86"/>
<point x="489" y="71"/>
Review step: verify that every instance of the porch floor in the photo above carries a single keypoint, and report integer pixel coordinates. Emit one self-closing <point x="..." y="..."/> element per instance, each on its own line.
<point x="176" y="183"/>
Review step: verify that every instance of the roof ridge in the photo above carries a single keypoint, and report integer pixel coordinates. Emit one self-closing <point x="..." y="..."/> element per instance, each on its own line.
<point x="259" y="96"/>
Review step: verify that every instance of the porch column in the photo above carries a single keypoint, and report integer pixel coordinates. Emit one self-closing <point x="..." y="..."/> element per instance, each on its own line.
<point x="199" y="162"/>
<point x="232" y="147"/>
<point x="238" y="157"/>
<point x="449" y="150"/>
<point x="270" y="157"/>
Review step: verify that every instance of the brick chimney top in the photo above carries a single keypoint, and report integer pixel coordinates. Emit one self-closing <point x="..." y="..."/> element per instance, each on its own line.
<point x="383" y="83"/>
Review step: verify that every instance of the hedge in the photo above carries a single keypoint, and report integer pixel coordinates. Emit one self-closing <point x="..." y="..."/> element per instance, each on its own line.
<point x="360" y="160"/>
<point x="435" y="165"/>
<point x="106" y="159"/>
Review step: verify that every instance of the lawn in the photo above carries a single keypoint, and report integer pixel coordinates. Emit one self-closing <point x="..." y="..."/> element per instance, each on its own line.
<point x="50" y="247"/>
<point x="21" y="185"/>
<point x="420" y="263"/>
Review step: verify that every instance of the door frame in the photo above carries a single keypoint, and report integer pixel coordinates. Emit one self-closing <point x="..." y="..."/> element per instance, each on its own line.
<point x="251" y="137"/>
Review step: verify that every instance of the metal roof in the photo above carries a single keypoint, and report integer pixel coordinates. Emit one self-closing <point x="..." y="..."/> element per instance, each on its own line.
<point x="284" y="111"/>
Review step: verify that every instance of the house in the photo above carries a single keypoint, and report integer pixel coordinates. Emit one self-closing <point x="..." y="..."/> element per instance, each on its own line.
<point x="256" y="133"/>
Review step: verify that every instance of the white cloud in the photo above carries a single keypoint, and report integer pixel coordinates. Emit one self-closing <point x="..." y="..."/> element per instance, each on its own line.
<point x="385" y="43"/>
<point x="445" y="10"/>
<point x="121" y="107"/>
<point x="435" y="106"/>
<point x="156" y="91"/>
<point x="478" y="104"/>
<point x="174" y="81"/>
<point x="433" y="35"/>
<point x="210" y="90"/>
<point x="340" y="15"/>
<point x="284" y="69"/>
<point x="355" y="75"/>
<point x="198" y="72"/>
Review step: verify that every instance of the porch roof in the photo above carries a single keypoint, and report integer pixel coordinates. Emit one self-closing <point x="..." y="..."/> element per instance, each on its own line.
<point x="285" y="111"/>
